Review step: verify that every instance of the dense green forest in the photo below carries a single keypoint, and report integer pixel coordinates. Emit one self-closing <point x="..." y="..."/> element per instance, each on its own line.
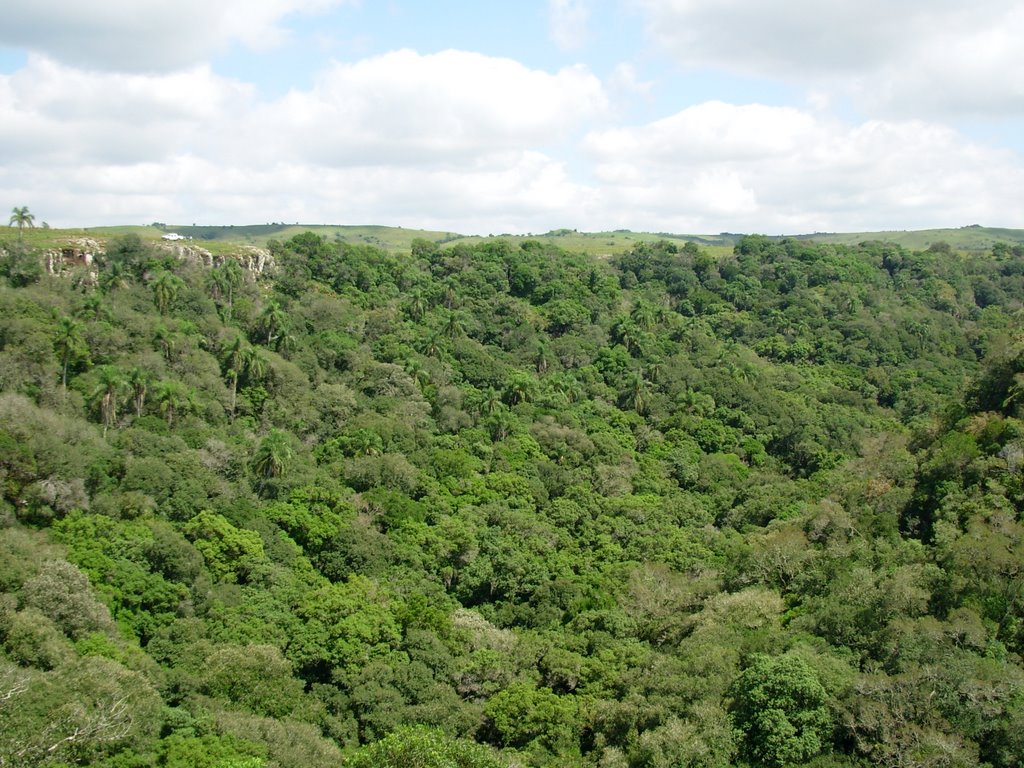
<point x="506" y="505"/>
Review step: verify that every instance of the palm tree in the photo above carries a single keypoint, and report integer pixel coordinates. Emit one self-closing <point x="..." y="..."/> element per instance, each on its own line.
<point x="453" y="325"/>
<point x="174" y="398"/>
<point x="417" y="305"/>
<point x="138" y="380"/>
<point x="431" y="345"/>
<point x="111" y="382"/>
<point x="501" y="424"/>
<point x="1014" y="394"/>
<point x="21" y="218"/>
<point x="272" y="457"/>
<point x="233" y="361"/>
<point x="366" y="442"/>
<point x="542" y="358"/>
<point x="70" y="345"/>
<point x="636" y="395"/>
<point x="166" y="287"/>
<point x="417" y="372"/>
<point x="256" y="365"/>
<point x="167" y="339"/>
<point x="627" y="333"/>
<point x="113" y="276"/>
<point x="271" y="322"/>
<point x="643" y="315"/>
<point x="95" y="308"/>
<point x="224" y="281"/>
<point x="489" y="401"/>
<point x="568" y="386"/>
<point x="521" y="388"/>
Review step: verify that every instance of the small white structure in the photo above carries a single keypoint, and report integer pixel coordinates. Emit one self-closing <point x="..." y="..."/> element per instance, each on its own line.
<point x="173" y="236"/>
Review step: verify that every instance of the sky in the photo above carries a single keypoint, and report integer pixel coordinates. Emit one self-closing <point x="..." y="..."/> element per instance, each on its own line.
<point x="479" y="117"/>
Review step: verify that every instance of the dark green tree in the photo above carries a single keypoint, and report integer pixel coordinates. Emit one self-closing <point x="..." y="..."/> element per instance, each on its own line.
<point x="781" y="709"/>
<point x="71" y="346"/>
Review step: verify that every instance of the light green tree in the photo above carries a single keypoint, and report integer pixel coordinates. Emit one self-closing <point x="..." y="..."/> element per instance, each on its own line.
<point x="422" y="747"/>
<point x="21" y="218"/>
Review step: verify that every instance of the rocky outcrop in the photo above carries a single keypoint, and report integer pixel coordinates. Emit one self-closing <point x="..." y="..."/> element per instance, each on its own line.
<point x="257" y="261"/>
<point x="76" y="252"/>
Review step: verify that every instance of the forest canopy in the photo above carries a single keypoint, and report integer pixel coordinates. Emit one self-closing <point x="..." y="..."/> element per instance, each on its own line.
<point x="508" y="505"/>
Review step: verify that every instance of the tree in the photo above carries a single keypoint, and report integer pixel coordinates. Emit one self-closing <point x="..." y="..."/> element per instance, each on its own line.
<point x="782" y="710"/>
<point x="273" y="455"/>
<point x="130" y="255"/>
<point x="233" y="362"/>
<point x="70" y="345"/>
<point x="636" y="396"/>
<point x="521" y="388"/>
<point x="271" y="322"/>
<point x="114" y="276"/>
<point x="255" y="365"/>
<point x="79" y="715"/>
<point x="422" y="747"/>
<point x="416" y="306"/>
<point x="225" y="280"/>
<point x="21" y="218"/>
<point x="417" y="372"/>
<point x="174" y="398"/>
<point x="167" y="339"/>
<point x="626" y="332"/>
<point x="454" y="326"/>
<point x="110" y="384"/>
<point x="20" y="264"/>
<point x="230" y="553"/>
<point x="63" y="594"/>
<point x="94" y="308"/>
<point x="138" y="381"/>
<point x="166" y="287"/>
<point x="488" y="402"/>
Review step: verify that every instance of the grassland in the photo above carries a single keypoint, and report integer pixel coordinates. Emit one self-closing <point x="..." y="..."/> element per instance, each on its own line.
<point x="223" y="239"/>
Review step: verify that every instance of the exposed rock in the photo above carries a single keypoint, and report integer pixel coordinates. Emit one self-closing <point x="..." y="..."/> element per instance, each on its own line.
<point x="77" y="252"/>
<point x="256" y="260"/>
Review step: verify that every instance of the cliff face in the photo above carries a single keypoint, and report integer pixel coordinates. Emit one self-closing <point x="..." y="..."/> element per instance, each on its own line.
<point x="256" y="260"/>
<point x="81" y="252"/>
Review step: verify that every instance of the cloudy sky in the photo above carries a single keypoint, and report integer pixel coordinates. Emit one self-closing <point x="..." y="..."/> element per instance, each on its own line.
<point x="687" y="116"/>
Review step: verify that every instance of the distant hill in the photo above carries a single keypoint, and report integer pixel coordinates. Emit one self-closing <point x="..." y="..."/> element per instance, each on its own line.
<point x="399" y="239"/>
<point x="970" y="238"/>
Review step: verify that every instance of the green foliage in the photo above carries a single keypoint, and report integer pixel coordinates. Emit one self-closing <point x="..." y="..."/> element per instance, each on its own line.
<point x="344" y="626"/>
<point x="230" y="553"/>
<point x="420" y="747"/>
<point x="780" y="707"/>
<point x="676" y="507"/>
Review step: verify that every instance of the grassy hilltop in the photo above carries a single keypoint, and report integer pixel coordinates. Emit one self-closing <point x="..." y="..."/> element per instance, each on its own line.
<point x="218" y="238"/>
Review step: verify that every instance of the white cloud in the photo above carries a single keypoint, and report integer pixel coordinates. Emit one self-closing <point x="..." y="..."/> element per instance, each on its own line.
<point x="147" y="35"/>
<point x="568" y="23"/>
<point x="54" y="114"/>
<point x="464" y="142"/>
<point x="451" y="138"/>
<point x="624" y="79"/>
<point x="930" y="57"/>
<point x="717" y="166"/>
<point x="450" y="107"/>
